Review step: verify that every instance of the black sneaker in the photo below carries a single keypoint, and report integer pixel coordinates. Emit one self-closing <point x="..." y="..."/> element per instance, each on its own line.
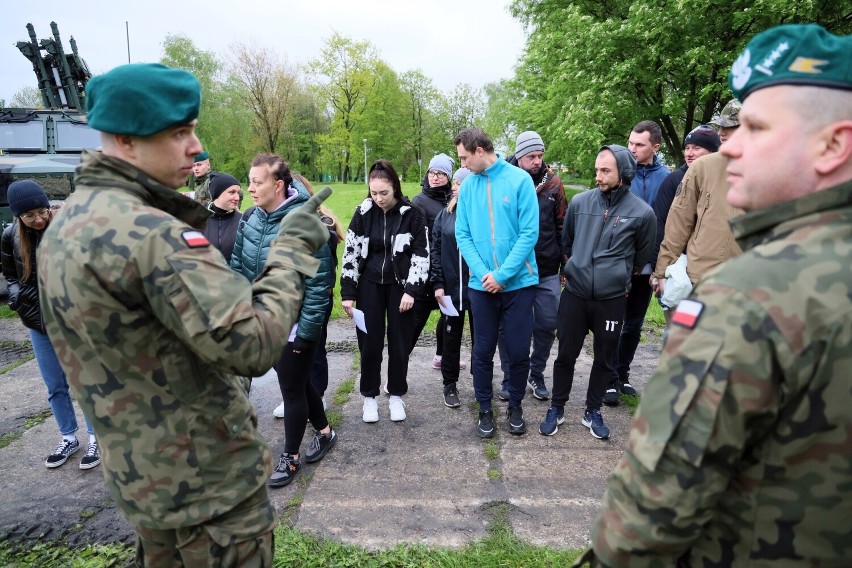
<point x="92" y="457"/>
<point x="503" y="393"/>
<point x="627" y="388"/>
<point x="62" y="452"/>
<point x="320" y="446"/>
<point x="538" y="389"/>
<point x="552" y="420"/>
<point x="611" y="397"/>
<point x="485" y="427"/>
<point x="285" y="471"/>
<point x="517" y="425"/>
<point x="593" y="420"/>
<point x="451" y="397"/>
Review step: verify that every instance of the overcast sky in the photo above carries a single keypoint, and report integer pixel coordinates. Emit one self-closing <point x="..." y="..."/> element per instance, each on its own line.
<point x="437" y="36"/>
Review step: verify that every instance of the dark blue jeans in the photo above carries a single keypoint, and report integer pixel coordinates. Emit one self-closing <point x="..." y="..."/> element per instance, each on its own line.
<point x="511" y="311"/>
<point x="53" y="376"/>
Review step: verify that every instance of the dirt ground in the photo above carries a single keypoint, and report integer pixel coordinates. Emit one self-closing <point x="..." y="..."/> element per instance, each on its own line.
<point x="367" y="476"/>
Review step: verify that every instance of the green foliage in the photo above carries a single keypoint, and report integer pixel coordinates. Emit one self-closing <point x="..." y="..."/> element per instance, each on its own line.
<point x="6" y="312"/>
<point x="36" y="419"/>
<point x="592" y="70"/>
<point x="52" y="554"/>
<point x="26" y="97"/>
<point x="491" y="450"/>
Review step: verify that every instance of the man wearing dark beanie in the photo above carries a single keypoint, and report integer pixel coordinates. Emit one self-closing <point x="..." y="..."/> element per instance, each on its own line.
<point x="155" y="331"/>
<point x="697" y="221"/>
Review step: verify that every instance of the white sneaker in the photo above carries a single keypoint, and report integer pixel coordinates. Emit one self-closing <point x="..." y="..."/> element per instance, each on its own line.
<point x="397" y="408"/>
<point x="279" y="411"/>
<point x="371" y="409"/>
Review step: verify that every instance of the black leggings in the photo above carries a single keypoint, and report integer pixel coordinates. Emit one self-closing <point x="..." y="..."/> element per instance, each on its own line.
<point x="301" y="399"/>
<point x="423" y="308"/>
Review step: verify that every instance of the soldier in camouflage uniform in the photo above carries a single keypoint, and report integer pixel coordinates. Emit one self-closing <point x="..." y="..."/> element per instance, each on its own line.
<point x="199" y="181"/>
<point x="741" y="451"/>
<point x="154" y="329"/>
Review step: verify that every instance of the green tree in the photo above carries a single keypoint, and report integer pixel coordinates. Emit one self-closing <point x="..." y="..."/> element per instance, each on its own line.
<point x="500" y="115"/>
<point x="346" y="69"/>
<point x="421" y="101"/>
<point x="26" y="97"/>
<point x="591" y="70"/>
<point x="383" y="123"/>
<point x="270" y="87"/>
<point x="464" y="106"/>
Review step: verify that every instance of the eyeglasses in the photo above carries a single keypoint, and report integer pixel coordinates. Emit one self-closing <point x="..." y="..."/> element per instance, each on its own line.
<point x="436" y="173"/>
<point x="30" y="216"/>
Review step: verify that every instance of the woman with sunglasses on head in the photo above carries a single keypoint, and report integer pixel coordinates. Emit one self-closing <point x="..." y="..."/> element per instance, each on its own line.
<point x="385" y="266"/>
<point x="31" y="209"/>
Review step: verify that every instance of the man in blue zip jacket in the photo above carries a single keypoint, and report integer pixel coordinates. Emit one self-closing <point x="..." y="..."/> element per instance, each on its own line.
<point x="496" y="231"/>
<point x="607" y="236"/>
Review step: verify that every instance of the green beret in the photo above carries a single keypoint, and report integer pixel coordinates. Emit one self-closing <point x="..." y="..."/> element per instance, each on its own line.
<point x="141" y="99"/>
<point x="201" y="157"/>
<point x="793" y="54"/>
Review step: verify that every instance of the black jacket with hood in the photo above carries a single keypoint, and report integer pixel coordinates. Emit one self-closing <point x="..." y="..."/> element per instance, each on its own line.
<point x="23" y="294"/>
<point x="447" y="268"/>
<point x="607" y="237"/>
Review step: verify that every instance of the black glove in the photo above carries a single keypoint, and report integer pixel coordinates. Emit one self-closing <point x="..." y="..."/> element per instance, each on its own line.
<point x="302" y="344"/>
<point x="305" y="224"/>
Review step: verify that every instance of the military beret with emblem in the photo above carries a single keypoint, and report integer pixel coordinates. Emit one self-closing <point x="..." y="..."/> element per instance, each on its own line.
<point x="141" y="99"/>
<point x="793" y="54"/>
<point x="201" y="157"/>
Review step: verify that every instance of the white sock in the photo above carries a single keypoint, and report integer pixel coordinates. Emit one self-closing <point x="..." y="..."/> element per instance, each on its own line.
<point x="92" y="439"/>
<point x="69" y="437"/>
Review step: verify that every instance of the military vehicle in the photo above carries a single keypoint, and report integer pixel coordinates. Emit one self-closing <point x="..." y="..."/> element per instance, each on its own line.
<point x="46" y="144"/>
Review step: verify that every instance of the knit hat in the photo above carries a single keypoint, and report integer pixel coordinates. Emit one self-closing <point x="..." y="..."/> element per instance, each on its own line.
<point x="460" y="174"/>
<point x="25" y="195"/>
<point x="201" y="157"/>
<point x="704" y="136"/>
<point x="527" y="142"/>
<point x="219" y="182"/>
<point x="793" y="54"/>
<point x="141" y="99"/>
<point x="442" y="163"/>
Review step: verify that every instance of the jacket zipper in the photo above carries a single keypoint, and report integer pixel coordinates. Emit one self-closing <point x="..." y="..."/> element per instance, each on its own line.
<point x="384" y="243"/>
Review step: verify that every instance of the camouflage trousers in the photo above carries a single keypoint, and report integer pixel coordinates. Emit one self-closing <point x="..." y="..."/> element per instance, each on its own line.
<point x="241" y="537"/>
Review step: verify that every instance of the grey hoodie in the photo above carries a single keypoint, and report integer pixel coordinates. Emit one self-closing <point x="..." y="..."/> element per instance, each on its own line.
<point x="607" y="238"/>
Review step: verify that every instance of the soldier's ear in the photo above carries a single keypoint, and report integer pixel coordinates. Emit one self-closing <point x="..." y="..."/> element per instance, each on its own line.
<point x="835" y="150"/>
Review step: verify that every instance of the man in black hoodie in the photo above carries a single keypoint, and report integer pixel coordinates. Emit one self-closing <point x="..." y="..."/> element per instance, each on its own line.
<point x="608" y="236"/>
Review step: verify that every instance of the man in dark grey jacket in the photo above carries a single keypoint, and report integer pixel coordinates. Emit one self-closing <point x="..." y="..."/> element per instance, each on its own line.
<point x="608" y="236"/>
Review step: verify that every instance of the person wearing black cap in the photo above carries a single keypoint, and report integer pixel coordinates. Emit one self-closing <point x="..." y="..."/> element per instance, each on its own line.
<point x="31" y="209"/>
<point x="221" y="229"/>
<point x="739" y="454"/>
<point x="608" y="235"/>
<point x="697" y="221"/>
<point x="156" y="332"/>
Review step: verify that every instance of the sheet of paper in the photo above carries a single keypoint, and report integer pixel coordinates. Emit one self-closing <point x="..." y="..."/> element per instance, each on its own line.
<point x="358" y="316"/>
<point x="447" y="307"/>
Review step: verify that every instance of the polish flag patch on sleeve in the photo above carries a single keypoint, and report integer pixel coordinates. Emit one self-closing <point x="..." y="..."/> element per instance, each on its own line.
<point x="195" y="239"/>
<point x="687" y="313"/>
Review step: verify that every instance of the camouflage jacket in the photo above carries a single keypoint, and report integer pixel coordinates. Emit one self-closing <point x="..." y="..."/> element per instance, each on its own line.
<point x="202" y="190"/>
<point x="741" y="450"/>
<point x="153" y="328"/>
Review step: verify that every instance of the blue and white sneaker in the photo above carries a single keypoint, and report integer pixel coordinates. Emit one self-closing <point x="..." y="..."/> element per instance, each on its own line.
<point x="593" y="420"/>
<point x="552" y="420"/>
